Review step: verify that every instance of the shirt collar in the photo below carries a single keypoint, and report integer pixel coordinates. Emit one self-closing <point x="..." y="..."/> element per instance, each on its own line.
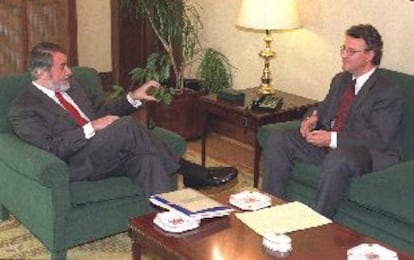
<point x="360" y="81"/>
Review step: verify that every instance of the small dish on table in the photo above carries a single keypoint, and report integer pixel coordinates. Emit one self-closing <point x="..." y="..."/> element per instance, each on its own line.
<point x="250" y="200"/>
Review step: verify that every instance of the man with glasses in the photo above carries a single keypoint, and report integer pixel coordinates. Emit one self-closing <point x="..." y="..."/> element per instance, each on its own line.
<point x="353" y="131"/>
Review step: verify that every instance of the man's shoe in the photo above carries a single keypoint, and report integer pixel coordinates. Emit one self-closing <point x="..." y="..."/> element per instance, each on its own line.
<point x="196" y="176"/>
<point x="211" y="176"/>
<point x="220" y="175"/>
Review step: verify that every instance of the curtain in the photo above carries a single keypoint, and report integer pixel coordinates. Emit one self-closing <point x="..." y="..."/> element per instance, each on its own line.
<point x="24" y="23"/>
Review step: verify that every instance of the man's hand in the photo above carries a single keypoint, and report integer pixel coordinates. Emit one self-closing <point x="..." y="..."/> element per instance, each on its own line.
<point x="141" y="92"/>
<point x="308" y="124"/>
<point x="320" y="138"/>
<point x="103" y="122"/>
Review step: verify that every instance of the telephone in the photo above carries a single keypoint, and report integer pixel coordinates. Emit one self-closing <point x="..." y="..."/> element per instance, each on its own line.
<point x="266" y="103"/>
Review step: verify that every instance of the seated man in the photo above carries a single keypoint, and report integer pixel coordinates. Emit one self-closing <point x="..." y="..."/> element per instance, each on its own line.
<point x="97" y="139"/>
<point x="354" y="130"/>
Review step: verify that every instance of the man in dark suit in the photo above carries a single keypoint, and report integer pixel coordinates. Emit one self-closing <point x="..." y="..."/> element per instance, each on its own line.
<point x="354" y="130"/>
<point x="97" y="139"/>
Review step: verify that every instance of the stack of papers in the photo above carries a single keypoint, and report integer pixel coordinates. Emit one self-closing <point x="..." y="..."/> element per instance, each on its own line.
<point x="191" y="203"/>
<point x="283" y="218"/>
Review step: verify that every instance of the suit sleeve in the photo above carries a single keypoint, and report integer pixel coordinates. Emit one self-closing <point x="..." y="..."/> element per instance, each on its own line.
<point x="34" y="122"/>
<point x="96" y="106"/>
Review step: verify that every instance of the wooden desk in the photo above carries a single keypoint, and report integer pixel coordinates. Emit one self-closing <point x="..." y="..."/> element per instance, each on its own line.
<point x="229" y="238"/>
<point x="293" y="108"/>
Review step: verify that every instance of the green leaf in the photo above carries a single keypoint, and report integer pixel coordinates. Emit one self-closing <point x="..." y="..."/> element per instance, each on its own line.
<point x="157" y="68"/>
<point x="215" y="70"/>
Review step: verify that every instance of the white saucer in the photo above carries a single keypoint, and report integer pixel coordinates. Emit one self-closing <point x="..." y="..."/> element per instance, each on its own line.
<point x="250" y="200"/>
<point x="174" y="222"/>
<point x="370" y="251"/>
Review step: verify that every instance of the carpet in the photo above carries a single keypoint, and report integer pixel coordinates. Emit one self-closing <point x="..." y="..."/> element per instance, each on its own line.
<point x="16" y="242"/>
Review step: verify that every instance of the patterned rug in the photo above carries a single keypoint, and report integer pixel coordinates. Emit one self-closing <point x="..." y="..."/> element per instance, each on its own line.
<point x="16" y="242"/>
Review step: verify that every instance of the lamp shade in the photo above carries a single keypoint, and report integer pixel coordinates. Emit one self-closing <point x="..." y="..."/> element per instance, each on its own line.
<point x="269" y="14"/>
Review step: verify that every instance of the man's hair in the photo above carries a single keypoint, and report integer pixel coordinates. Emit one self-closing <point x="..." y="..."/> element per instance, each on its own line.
<point x="40" y="57"/>
<point x="371" y="37"/>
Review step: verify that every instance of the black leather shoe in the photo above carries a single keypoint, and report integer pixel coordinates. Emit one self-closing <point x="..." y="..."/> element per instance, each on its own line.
<point x="220" y="175"/>
<point x="211" y="176"/>
<point x="197" y="176"/>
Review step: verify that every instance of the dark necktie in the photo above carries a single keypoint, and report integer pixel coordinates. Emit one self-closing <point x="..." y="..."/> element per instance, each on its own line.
<point x="344" y="105"/>
<point x="71" y="109"/>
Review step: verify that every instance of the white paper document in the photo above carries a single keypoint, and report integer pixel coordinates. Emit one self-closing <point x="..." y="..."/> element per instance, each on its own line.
<point x="283" y="218"/>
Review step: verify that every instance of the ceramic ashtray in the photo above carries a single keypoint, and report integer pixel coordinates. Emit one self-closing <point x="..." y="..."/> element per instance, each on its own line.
<point x="279" y="244"/>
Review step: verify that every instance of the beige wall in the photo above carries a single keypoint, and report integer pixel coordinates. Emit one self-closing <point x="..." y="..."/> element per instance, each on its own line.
<point x="94" y="34"/>
<point x="306" y="59"/>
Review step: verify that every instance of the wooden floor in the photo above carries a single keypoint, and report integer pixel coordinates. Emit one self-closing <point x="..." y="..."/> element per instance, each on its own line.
<point x="225" y="149"/>
<point x="220" y="147"/>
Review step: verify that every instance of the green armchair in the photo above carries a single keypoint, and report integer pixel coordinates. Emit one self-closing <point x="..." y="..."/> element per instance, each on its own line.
<point x="381" y="204"/>
<point x="35" y="187"/>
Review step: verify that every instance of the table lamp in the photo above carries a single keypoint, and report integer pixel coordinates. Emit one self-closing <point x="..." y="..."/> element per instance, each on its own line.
<point x="268" y="15"/>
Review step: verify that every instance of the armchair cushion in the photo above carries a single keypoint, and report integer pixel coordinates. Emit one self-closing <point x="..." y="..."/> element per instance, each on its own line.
<point x="307" y="174"/>
<point x="84" y="192"/>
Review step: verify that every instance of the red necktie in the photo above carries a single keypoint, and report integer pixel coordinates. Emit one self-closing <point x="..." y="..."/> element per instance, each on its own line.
<point x="344" y="105"/>
<point x="71" y="109"/>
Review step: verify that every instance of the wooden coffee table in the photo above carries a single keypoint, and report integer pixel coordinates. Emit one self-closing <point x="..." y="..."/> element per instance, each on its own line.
<point x="228" y="238"/>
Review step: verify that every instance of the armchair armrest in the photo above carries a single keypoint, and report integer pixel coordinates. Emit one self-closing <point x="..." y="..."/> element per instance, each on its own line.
<point x="265" y="130"/>
<point x="35" y="185"/>
<point x="32" y="162"/>
<point x="390" y="189"/>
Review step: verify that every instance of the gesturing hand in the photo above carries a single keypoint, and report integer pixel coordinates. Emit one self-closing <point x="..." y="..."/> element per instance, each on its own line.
<point x="141" y="93"/>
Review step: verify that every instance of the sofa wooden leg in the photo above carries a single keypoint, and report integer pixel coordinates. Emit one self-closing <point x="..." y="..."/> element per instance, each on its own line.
<point x="4" y="213"/>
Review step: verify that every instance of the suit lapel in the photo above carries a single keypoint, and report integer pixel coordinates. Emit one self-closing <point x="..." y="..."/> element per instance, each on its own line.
<point x="361" y="97"/>
<point x="49" y="104"/>
<point x="81" y="100"/>
<point x="363" y="93"/>
<point x="343" y="84"/>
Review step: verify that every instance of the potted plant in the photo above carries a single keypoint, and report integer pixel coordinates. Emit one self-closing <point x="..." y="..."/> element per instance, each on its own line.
<point x="177" y="25"/>
<point x="214" y="71"/>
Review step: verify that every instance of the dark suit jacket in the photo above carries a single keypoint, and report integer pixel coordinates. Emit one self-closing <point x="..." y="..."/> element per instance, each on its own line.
<point x="373" y="119"/>
<point x="38" y="120"/>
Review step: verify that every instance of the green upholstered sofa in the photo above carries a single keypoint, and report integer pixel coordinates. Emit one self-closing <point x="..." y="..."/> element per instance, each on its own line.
<point x="381" y="204"/>
<point x="35" y="188"/>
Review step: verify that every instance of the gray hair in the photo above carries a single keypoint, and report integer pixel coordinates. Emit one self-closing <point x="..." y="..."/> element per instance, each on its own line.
<point x="40" y="57"/>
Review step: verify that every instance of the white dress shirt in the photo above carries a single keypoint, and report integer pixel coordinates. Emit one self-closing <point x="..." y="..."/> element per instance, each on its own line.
<point x="360" y="81"/>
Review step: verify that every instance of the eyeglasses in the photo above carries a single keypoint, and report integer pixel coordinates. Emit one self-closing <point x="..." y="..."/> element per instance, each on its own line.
<point x="349" y="51"/>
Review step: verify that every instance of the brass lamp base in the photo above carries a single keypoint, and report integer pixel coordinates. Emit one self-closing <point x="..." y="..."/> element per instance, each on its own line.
<point x="267" y="53"/>
<point x="266" y="89"/>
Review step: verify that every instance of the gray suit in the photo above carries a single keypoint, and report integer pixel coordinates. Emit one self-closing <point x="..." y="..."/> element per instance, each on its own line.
<point x="369" y="141"/>
<point x="122" y="147"/>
